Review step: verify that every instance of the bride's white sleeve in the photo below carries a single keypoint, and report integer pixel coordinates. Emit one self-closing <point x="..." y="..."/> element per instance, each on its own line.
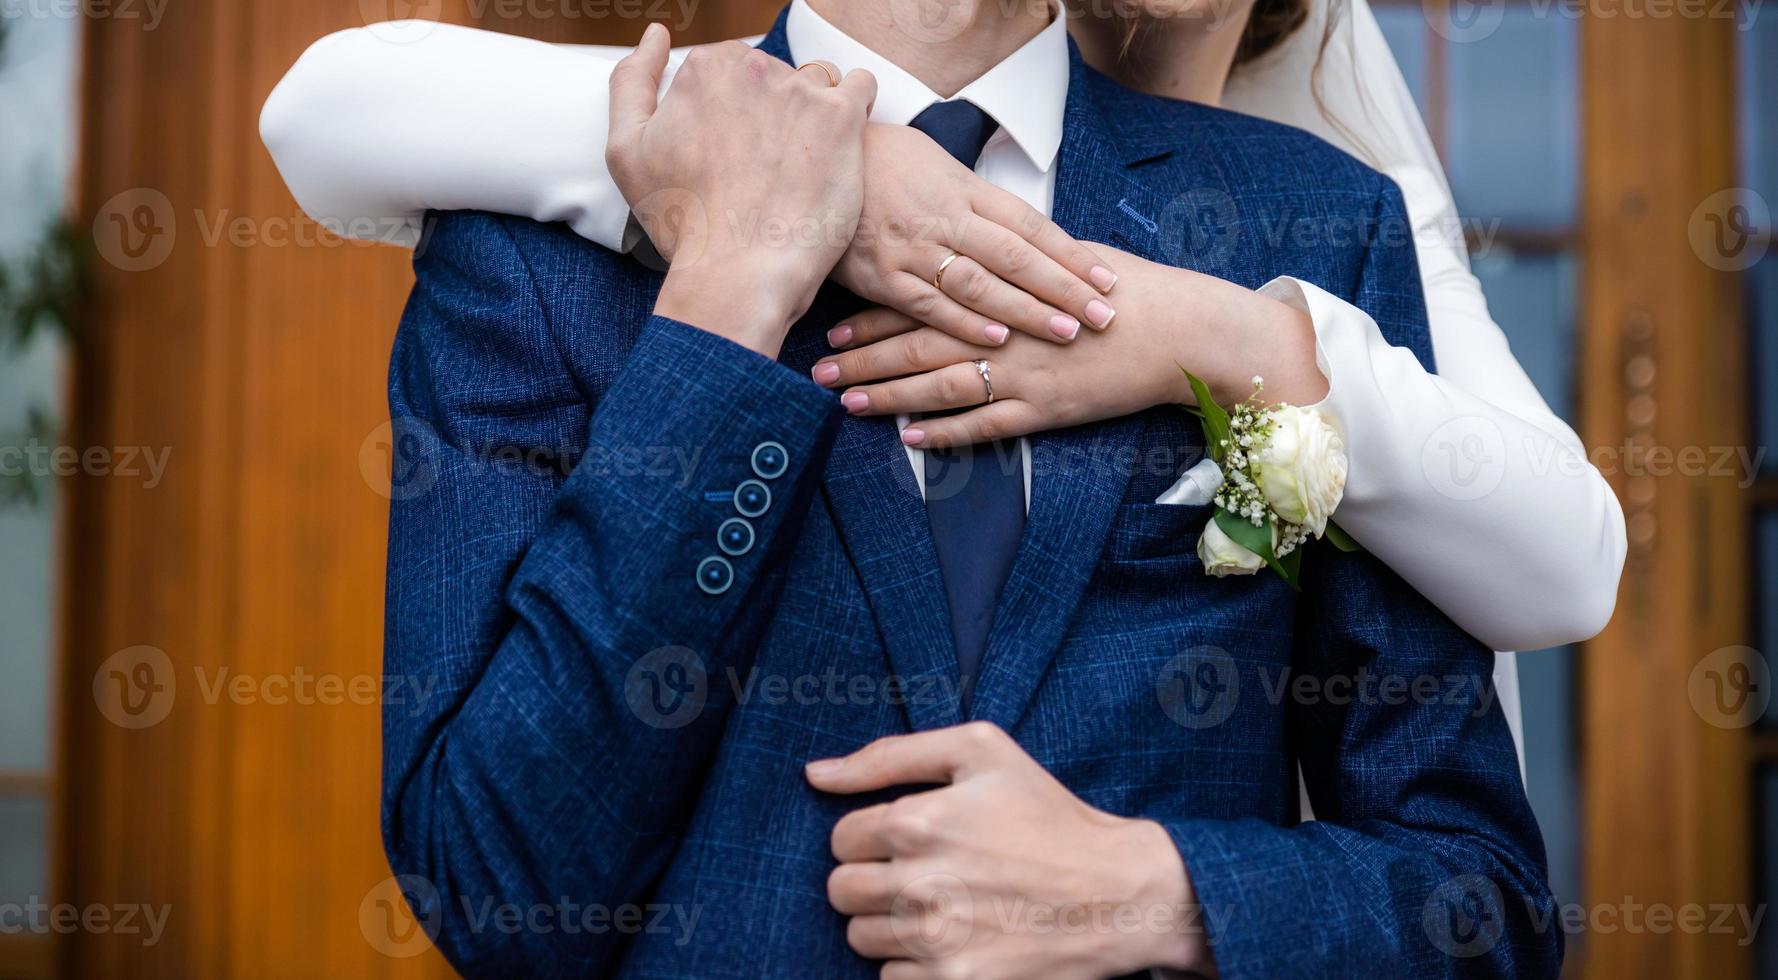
<point x="374" y="126"/>
<point x="1464" y="482"/>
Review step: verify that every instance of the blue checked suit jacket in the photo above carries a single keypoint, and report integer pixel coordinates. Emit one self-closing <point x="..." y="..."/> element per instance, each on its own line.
<point x="605" y="774"/>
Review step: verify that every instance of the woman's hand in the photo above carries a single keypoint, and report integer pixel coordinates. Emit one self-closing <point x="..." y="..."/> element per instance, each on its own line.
<point x="1037" y="386"/>
<point x="752" y="170"/>
<point x="1015" y="268"/>
<point x="1222" y="332"/>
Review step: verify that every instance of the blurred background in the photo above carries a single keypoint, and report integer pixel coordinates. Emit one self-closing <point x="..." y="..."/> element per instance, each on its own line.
<point x="194" y="457"/>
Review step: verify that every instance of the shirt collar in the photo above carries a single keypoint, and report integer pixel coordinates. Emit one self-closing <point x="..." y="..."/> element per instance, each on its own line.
<point x="1026" y="93"/>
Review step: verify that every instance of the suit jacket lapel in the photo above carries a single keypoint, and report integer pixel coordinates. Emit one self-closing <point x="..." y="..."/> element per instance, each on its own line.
<point x="1080" y="475"/>
<point x="881" y="519"/>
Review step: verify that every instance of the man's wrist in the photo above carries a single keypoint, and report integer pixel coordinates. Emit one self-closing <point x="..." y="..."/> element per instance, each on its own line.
<point x="733" y="297"/>
<point x="1173" y="935"/>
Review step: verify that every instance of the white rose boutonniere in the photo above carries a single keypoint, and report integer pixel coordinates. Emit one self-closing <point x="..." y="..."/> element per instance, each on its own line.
<point x="1283" y="473"/>
<point x="1301" y="469"/>
<point x="1222" y="556"/>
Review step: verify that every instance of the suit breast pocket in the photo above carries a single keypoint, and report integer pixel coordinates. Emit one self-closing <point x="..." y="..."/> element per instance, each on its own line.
<point x="1157" y="533"/>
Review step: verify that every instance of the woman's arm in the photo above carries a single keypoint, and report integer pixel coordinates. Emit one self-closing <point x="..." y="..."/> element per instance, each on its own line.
<point x="369" y="134"/>
<point x="1483" y="511"/>
<point x="1530" y="538"/>
<point x="1493" y="513"/>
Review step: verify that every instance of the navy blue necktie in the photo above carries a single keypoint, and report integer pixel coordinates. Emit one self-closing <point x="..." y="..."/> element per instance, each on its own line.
<point x="975" y="495"/>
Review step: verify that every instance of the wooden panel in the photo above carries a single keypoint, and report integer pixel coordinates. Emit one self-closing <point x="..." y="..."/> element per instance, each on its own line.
<point x="259" y="361"/>
<point x="26" y="956"/>
<point x="1666" y="783"/>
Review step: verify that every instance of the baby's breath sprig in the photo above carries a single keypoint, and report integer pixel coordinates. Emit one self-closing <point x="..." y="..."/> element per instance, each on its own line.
<point x="1250" y="428"/>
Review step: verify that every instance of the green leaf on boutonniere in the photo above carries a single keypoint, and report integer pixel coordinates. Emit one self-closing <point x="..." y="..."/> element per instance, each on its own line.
<point x="1216" y="420"/>
<point x="1259" y="541"/>
<point x="1338" y="537"/>
<point x="1292" y="564"/>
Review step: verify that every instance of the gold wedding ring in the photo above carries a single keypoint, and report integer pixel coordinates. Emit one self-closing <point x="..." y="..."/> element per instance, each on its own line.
<point x="833" y="81"/>
<point x="938" y="278"/>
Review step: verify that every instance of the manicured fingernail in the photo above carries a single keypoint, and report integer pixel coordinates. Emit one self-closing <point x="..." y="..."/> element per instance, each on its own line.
<point x="997" y="334"/>
<point x="825" y="372"/>
<point x="855" y="401"/>
<point x="826" y="767"/>
<point x="1064" y="327"/>
<point x="840" y="336"/>
<point x="912" y="437"/>
<point x="1103" y="278"/>
<point x="1099" y="314"/>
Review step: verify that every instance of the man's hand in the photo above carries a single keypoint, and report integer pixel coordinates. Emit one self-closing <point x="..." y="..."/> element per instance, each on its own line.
<point x="1000" y="872"/>
<point x="748" y="174"/>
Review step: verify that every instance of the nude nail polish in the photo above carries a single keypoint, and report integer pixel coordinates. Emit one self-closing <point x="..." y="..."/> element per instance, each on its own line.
<point x="855" y="401"/>
<point x="825" y="373"/>
<point x="1103" y="278"/>
<point x="1099" y="314"/>
<point x="1064" y="327"/>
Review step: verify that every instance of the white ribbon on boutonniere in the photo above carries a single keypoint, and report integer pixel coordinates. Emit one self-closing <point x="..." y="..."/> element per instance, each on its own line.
<point x="1195" y="486"/>
<point x="1276" y="474"/>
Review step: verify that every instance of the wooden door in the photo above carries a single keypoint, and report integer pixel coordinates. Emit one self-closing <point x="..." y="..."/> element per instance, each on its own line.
<point x="1666" y="772"/>
<point x="223" y="630"/>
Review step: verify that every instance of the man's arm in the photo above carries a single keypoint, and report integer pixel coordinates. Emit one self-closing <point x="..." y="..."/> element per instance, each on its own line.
<point x="568" y="633"/>
<point x="552" y="631"/>
<point x="1425" y="859"/>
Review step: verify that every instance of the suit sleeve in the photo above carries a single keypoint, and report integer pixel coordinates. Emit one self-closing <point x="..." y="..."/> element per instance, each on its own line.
<point x="568" y="615"/>
<point x="1425" y="859"/>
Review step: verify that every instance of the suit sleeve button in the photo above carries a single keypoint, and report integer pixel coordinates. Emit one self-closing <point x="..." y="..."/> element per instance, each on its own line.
<point x="735" y="537"/>
<point x="715" y="575"/>
<point x="752" y="498"/>
<point x="770" y="460"/>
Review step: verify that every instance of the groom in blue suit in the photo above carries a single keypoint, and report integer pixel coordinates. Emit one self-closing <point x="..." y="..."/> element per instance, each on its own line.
<point x="717" y="687"/>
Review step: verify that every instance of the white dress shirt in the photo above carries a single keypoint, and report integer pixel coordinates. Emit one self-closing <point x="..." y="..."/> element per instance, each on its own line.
<point x="374" y="126"/>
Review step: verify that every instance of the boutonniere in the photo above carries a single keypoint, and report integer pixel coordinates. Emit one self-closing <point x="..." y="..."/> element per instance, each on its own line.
<point x="1276" y="473"/>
